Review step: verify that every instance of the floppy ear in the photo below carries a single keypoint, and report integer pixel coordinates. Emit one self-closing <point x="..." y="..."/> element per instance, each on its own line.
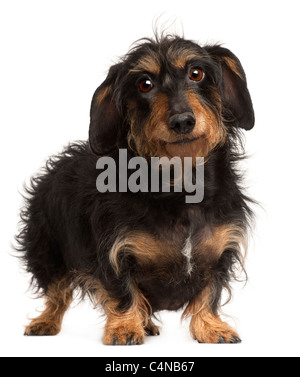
<point x="105" y="117"/>
<point x="236" y="97"/>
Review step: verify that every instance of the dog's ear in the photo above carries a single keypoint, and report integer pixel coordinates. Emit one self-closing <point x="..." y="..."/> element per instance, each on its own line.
<point x="105" y="117"/>
<point x="236" y="97"/>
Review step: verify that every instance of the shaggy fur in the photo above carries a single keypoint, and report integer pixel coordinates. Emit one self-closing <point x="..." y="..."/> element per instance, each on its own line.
<point x="138" y="253"/>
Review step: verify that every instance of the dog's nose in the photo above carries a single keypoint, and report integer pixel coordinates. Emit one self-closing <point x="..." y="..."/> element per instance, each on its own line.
<point x="183" y="123"/>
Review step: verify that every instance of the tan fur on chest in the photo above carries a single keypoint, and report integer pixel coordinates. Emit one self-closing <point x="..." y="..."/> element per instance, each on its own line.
<point x="208" y="243"/>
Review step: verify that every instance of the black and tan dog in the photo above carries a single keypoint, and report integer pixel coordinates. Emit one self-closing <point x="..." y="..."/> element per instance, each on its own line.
<point x="138" y="253"/>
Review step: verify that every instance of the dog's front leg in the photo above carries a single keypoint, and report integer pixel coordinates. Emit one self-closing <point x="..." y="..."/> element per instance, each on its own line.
<point x="126" y="326"/>
<point x="206" y="325"/>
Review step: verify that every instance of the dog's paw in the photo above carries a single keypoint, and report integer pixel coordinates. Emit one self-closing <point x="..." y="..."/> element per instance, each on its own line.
<point x="212" y="330"/>
<point x="220" y="339"/>
<point x="123" y="335"/>
<point x="210" y="336"/>
<point x="41" y="329"/>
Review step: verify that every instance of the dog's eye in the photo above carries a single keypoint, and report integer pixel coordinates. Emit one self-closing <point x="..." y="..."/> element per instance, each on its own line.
<point x="196" y="74"/>
<point x="146" y="85"/>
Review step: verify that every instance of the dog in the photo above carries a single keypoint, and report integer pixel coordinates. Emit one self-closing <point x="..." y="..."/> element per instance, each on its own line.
<point x="137" y="253"/>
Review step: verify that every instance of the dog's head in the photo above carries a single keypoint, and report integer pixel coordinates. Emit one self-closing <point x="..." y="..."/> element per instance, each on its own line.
<point x="170" y="97"/>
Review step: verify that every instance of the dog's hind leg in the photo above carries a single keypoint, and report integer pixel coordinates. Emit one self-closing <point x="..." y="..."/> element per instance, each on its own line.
<point x="151" y="328"/>
<point x="58" y="299"/>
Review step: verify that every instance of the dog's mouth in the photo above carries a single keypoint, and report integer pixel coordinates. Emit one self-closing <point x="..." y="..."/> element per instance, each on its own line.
<point x="184" y="141"/>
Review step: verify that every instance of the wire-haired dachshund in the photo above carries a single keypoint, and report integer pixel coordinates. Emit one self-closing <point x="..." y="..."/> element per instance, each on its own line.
<point x="136" y="253"/>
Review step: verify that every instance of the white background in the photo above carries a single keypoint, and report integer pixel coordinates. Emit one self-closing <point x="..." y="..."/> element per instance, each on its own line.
<point x="53" y="56"/>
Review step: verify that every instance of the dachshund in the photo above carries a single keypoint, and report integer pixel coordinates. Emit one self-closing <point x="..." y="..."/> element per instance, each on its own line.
<point x="137" y="253"/>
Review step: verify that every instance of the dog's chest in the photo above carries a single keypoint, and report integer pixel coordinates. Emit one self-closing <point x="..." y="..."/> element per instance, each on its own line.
<point x="173" y="273"/>
<point x="172" y="244"/>
<point x="187" y="253"/>
<point x="174" y="255"/>
<point x="175" y="259"/>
